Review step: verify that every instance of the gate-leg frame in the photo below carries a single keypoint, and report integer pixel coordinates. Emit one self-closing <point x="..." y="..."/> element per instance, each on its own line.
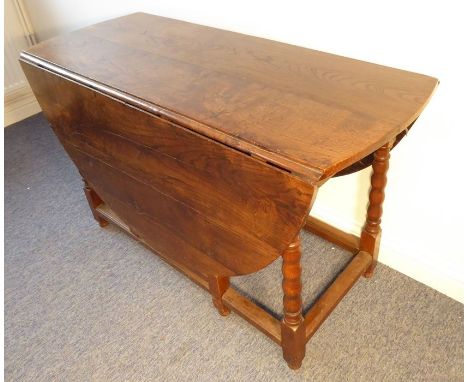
<point x="294" y="330"/>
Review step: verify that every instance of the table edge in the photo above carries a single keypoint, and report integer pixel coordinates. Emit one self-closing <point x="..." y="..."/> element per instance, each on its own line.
<point x="308" y="173"/>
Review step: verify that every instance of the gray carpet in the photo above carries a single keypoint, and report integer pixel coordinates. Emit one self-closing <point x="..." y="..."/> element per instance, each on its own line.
<point x="89" y="304"/>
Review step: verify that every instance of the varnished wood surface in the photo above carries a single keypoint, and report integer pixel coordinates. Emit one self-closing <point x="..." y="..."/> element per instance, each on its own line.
<point x="308" y="111"/>
<point x="371" y="233"/>
<point x="254" y="314"/>
<point x="258" y="317"/>
<point x="244" y="307"/>
<point x="209" y="146"/>
<point x="213" y="208"/>
<point x="218" y="286"/>
<point x="292" y="326"/>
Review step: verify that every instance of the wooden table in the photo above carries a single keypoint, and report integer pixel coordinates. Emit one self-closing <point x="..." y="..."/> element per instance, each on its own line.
<point x="210" y="146"/>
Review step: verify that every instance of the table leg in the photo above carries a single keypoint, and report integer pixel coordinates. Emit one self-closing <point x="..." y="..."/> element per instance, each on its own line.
<point x="218" y="285"/>
<point x="370" y="236"/>
<point x="293" y="339"/>
<point x="94" y="200"/>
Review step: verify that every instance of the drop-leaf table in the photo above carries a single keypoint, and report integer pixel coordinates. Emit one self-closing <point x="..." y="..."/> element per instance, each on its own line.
<point x="210" y="146"/>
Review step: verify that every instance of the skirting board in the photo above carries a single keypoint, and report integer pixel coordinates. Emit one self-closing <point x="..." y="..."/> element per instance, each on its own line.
<point x="413" y="265"/>
<point x="20" y="103"/>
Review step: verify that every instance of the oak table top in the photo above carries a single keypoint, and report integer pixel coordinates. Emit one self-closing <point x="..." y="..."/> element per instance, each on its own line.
<point x="305" y="111"/>
<point x="209" y="147"/>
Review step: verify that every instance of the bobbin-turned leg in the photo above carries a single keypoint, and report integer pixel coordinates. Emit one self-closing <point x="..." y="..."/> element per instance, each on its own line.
<point x="94" y="200"/>
<point x="293" y="338"/>
<point x="370" y="235"/>
<point x="218" y="285"/>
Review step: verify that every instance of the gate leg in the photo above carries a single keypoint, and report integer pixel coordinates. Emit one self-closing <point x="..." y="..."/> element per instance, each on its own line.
<point x="293" y="338"/>
<point x="370" y="235"/>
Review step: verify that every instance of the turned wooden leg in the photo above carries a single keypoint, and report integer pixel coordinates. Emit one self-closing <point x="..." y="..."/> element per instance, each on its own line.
<point x="218" y="285"/>
<point x="370" y="236"/>
<point x="94" y="200"/>
<point x="293" y="338"/>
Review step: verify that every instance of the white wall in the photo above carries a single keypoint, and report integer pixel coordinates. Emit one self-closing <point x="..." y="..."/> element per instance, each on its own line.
<point x="423" y="219"/>
<point x="14" y="43"/>
<point x="19" y="100"/>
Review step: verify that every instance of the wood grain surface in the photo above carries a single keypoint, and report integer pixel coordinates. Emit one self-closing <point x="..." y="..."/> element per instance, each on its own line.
<point x="311" y="112"/>
<point x="217" y="209"/>
<point x="209" y="146"/>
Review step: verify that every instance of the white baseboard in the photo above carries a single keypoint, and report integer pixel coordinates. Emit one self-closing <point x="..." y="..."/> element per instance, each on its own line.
<point x="407" y="262"/>
<point x="20" y="103"/>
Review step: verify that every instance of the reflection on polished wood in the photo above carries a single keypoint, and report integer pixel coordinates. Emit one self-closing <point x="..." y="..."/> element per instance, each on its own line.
<point x="210" y="146"/>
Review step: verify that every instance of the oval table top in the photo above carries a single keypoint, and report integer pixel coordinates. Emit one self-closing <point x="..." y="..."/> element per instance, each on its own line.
<point x="305" y="111"/>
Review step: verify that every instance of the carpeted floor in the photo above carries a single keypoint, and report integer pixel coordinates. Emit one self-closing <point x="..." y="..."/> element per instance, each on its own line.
<point x="89" y="304"/>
